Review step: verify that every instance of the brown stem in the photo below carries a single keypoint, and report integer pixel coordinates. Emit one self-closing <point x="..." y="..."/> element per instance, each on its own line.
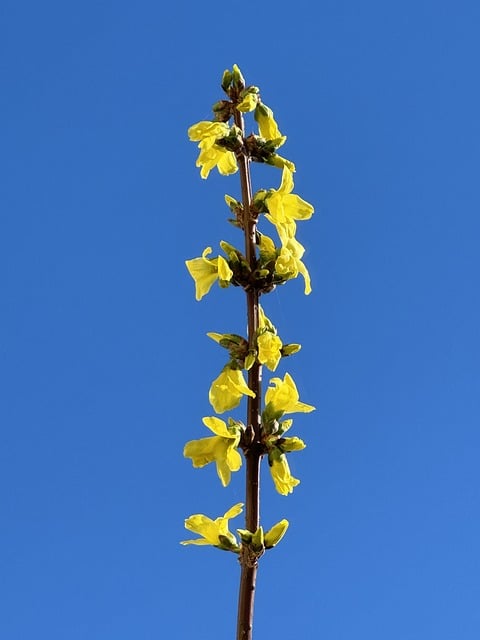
<point x="252" y="442"/>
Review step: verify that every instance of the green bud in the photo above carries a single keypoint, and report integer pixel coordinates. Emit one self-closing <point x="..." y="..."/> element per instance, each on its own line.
<point x="268" y="250"/>
<point x="233" y="338"/>
<point x="236" y="424"/>
<point x="257" y="540"/>
<point x="269" y="414"/>
<point x="232" y="204"/>
<point x="228" y="340"/>
<point x="237" y="78"/>
<point x="290" y="349"/>
<point x="250" y="360"/>
<point x="245" y="535"/>
<point x="230" y="250"/>
<point x="274" y="453"/>
<point x="259" y="201"/>
<point x="226" y="80"/>
<point x="271" y="428"/>
<point x="252" y="89"/>
<point x="291" y="444"/>
<point x="275" y="534"/>
<point x="228" y="543"/>
<point x="261" y="111"/>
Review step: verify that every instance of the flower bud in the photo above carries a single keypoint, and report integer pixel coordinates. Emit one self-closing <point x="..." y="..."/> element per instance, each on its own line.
<point x="275" y="534"/>
<point x="232" y="204"/>
<point x="291" y="444"/>
<point x="228" y="543"/>
<point x="237" y="78"/>
<point x="226" y="80"/>
<point x="245" y="535"/>
<point x="257" y="540"/>
<point x="290" y="349"/>
<point x="250" y="360"/>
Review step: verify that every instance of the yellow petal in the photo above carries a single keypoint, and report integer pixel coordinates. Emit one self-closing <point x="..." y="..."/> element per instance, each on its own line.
<point x="286" y="185"/>
<point x="269" y="346"/>
<point x="281" y="476"/>
<point x="218" y="426"/>
<point x="227" y="390"/>
<point x="284" y="396"/>
<point x="224" y="271"/>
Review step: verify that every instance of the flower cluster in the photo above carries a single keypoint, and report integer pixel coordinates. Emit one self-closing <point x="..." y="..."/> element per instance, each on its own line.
<point x="222" y="142"/>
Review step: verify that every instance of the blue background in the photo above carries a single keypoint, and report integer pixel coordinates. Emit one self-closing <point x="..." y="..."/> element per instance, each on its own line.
<point x="104" y="359"/>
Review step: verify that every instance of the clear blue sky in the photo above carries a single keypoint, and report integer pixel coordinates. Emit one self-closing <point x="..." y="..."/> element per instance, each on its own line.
<point x="104" y="360"/>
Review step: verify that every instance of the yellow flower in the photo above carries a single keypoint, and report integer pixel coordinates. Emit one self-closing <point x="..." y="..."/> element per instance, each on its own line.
<point x="220" y="449"/>
<point x="281" y="476"/>
<point x="283" y="205"/>
<point x="280" y="162"/>
<point x="248" y="103"/>
<point x="227" y="390"/>
<point x="267" y="126"/>
<point x="269" y="346"/>
<point x="214" y="532"/>
<point x="289" y="263"/>
<point x="268" y="343"/>
<point x="284" y="396"/>
<point x="212" y="155"/>
<point x="205" y="271"/>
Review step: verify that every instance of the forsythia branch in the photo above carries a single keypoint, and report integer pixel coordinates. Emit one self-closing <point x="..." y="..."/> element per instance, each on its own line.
<point x="258" y="269"/>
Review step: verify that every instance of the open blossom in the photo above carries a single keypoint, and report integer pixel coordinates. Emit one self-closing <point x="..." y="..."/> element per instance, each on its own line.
<point x="280" y="471"/>
<point x="269" y="349"/>
<point x="205" y="271"/>
<point x="289" y="260"/>
<point x="267" y="126"/>
<point x="283" y="205"/>
<point x="227" y="390"/>
<point x="284" y="396"/>
<point x="214" y="532"/>
<point x="206" y="133"/>
<point x="220" y="448"/>
<point x="289" y="263"/>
